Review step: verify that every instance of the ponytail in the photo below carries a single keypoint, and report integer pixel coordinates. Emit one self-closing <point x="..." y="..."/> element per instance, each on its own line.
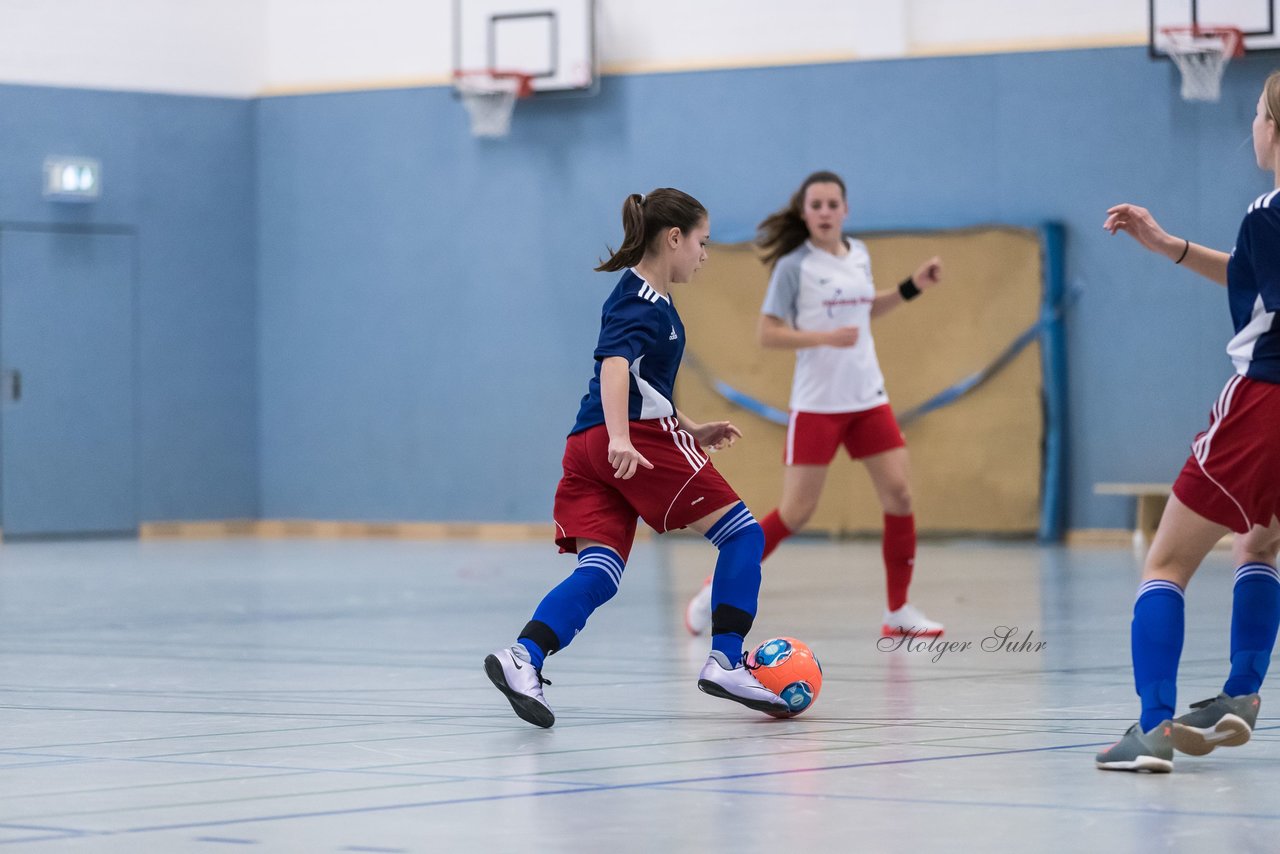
<point x="633" y="242"/>
<point x="645" y="217"/>
<point x="784" y="229"/>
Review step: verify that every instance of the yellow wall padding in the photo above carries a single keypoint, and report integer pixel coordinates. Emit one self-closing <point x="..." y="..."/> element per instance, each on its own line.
<point x="975" y="464"/>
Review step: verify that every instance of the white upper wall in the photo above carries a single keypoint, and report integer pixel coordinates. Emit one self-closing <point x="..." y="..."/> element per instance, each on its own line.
<point x="658" y="34"/>
<point x="214" y="47"/>
<point x="341" y="44"/>
<point x="945" y="26"/>
<point x="673" y="34"/>
<point x="249" y="47"/>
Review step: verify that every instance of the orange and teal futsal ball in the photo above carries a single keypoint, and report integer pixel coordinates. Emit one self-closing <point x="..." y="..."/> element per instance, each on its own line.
<point x="788" y="668"/>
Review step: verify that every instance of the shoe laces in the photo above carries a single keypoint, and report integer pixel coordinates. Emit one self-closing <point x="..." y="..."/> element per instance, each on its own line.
<point x="1204" y="703"/>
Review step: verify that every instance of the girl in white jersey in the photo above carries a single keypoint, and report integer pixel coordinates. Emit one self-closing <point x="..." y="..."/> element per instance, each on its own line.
<point x="1231" y="481"/>
<point x="820" y="303"/>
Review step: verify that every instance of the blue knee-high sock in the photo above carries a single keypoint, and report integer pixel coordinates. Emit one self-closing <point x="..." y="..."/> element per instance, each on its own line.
<point x="564" y="611"/>
<point x="1156" y="640"/>
<point x="735" y="587"/>
<point x="1255" y="615"/>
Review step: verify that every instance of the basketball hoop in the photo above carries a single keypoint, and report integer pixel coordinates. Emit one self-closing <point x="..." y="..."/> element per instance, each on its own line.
<point x="1201" y="54"/>
<point x="490" y="97"/>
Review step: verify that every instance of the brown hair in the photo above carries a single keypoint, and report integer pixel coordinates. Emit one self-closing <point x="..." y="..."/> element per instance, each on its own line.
<point x="784" y="229"/>
<point x="645" y="217"/>
<point x="1271" y="96"/>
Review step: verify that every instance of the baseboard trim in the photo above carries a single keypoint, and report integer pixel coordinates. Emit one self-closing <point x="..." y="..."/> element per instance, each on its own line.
<point x="1110" y="537"/>
<point x="1100" y="537"/>
<point x="283" y="529"/>
<point x="320" y="529"/>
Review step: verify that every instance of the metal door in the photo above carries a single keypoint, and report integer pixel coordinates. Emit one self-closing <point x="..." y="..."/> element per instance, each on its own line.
<point x="67" y="366"/>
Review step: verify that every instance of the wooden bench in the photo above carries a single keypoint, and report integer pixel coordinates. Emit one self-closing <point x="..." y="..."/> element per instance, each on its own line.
<point x="1151" y="500"/>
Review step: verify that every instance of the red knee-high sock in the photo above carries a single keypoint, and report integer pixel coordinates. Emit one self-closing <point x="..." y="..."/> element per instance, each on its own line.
<point x="899" y="550"/>
<point x="775" y="531"/>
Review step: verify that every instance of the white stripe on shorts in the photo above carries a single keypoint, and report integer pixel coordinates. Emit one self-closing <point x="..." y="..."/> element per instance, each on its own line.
<point x="684" y="442"/>
<point x="1202" y="447"/>
<point x="1221" y="407"/>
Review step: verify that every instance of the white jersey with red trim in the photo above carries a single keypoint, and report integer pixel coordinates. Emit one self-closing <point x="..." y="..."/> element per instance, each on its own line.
<point x="813" y="290"/>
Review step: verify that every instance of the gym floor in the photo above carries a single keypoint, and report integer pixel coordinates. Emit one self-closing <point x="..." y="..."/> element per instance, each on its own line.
<point x="304" y="695"/>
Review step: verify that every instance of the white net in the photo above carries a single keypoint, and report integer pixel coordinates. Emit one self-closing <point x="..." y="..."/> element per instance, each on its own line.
<point x="1201" y="56"/>
<point x="489" y="100"/>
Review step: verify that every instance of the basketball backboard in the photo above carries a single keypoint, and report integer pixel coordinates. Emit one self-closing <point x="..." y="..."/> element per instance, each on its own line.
<point x="553" y="41"/>
<point x="1255" y="18"/>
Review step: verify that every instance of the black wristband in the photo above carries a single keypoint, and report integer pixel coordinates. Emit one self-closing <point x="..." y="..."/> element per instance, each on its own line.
<point x="1185" y="249"/>
<point x="908" y="289"/>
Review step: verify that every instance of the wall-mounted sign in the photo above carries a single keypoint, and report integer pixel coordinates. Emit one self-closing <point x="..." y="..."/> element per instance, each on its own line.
<point x="72" y="179"/>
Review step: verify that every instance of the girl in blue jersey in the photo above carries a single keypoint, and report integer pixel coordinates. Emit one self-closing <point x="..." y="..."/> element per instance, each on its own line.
<point x="631" y="454"/>
<point x="820" y="304"/>
<point x="1231" y="481"/>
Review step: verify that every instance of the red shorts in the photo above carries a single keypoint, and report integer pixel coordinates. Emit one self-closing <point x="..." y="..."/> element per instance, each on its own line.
<point x="813" y="437"/>
<point x="592" y="504"/>
<point x="1233" y="474"/>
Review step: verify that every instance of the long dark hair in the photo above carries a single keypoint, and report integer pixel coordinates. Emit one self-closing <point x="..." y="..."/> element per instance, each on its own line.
<point x="644" y="217"/>
<point x="784" y="229"/>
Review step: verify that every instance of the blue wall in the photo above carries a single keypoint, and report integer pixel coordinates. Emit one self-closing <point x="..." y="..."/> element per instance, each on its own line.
<point x="351" y="309"/>
<point x="427" y="307"/>
<point x="178" y="172"/>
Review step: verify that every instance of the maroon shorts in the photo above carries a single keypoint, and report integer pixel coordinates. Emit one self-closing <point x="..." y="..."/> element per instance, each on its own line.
<point x="592" y="504"/>
<point x="813" y="437"/>
<point x="1233" y="474"/>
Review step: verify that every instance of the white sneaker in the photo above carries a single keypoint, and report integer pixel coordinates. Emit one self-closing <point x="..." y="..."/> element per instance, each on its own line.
<point x="736" y="683"/>
<point x="697" y="617"/>
<point x="512" y="673"/>
<point x="909" y="620"/>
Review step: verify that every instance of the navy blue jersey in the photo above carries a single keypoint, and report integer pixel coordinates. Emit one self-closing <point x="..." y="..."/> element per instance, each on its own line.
<point x="1253" y="291"/>
<point x="640" y="325"/>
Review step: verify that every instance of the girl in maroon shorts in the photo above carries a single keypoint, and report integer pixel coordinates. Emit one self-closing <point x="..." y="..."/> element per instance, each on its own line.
<point x="820" y="303"/>
<point x="632" y="454"/>
<point x="1231" y="482"/>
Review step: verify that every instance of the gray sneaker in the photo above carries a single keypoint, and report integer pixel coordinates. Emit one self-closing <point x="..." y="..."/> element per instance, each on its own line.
<point x="1220" y="722"/>
<point x="1141" y="751"/>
